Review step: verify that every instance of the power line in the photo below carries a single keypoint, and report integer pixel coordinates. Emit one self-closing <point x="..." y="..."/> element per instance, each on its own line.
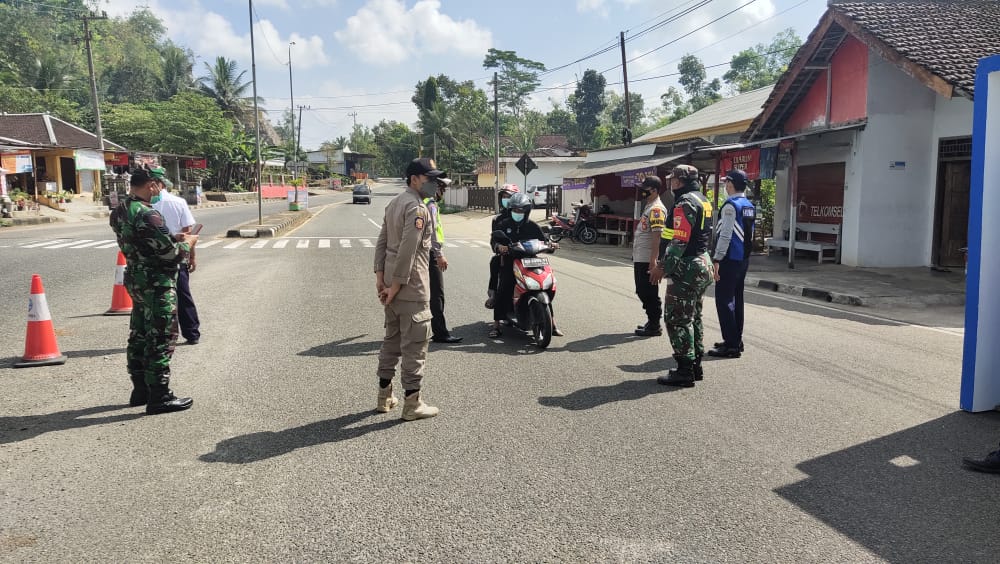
<point x="266" y="42"/>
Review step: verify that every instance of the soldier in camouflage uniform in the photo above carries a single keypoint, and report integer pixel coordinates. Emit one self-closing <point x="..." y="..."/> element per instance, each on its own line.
<point x="686" y="261"/>
<point x="152" y="256"/>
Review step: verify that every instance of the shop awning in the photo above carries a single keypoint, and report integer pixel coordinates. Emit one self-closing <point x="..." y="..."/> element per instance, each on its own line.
<point x="598" y="168"/>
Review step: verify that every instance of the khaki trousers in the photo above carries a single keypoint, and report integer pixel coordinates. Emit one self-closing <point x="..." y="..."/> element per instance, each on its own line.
<point x="407" y="332"/>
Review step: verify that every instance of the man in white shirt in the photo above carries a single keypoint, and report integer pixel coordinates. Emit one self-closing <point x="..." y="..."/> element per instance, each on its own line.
<point x="177" y="216"/>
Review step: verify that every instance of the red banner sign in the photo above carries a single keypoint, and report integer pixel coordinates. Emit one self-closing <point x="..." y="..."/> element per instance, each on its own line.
<point x="195" y="163"/>
<point x="116" y="159"/>
<point x="747" y="160"/>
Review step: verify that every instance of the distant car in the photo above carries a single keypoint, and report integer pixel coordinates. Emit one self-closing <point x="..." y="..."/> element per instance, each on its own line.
<point x="539" y="196"/>
<point x="362" y="193"/>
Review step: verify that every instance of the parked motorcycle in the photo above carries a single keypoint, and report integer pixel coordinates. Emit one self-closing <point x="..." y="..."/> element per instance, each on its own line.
<point x="534" y="287"/>
<point x="579" y="228"/>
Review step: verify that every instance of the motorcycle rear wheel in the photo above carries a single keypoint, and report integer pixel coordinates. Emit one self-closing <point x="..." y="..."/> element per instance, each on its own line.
<point x="588" y="235"/>
<point x="541" y="328"/>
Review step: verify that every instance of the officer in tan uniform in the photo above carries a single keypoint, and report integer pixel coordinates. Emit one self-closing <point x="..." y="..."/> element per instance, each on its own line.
<point x="645" y="249"/>
<point x="402" y="279"/>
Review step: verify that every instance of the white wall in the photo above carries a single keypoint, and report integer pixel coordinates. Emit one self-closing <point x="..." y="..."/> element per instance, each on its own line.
<point x="548" y="172"/>
<point x="895" y="207"/>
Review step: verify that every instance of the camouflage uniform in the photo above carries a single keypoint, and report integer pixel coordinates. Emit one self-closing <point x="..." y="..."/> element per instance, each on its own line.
<point x="689" y="266"/>
<point x="150" y="278"/>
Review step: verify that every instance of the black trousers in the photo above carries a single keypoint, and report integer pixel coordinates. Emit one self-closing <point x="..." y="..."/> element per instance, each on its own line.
<point x="494" y="272"/>
<point x="649" y="294"/>
<point x="187" y="313"/>
<point x="505" y="289"/>
<point x="439" y="327"/>
<point x="729" y="299"/>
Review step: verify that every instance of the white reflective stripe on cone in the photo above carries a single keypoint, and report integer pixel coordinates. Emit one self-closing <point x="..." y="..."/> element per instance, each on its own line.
<point x="119" y="276"/>
<point x="38" y="308"/>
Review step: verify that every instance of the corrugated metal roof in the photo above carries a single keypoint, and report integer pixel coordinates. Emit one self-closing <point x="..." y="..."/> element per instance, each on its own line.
<point x="737" y="112"/>
<point x="598" y="168"/>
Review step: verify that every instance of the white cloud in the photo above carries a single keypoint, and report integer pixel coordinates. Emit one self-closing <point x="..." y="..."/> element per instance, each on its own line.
<point x="384" y="32"/>
<point x="283" y="4"/>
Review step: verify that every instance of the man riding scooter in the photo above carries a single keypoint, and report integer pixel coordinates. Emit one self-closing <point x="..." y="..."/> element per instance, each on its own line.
<point x="517" y="228"/>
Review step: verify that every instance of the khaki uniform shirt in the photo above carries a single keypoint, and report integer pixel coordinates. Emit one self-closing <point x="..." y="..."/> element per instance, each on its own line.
<point x="648" y="230"/>
<point x="403" y="247"/>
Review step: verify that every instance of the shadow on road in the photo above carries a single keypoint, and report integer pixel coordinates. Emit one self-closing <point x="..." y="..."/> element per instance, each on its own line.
<point x="255" y="447"/>
<point x="345" y="348"/>
<point x="24" y="427"/>
<point x="905" y="496"/>
<point x="595" y="343"/>
<point x="589" y="398"/>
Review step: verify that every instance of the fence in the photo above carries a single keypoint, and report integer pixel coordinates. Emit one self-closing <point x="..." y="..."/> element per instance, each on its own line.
<point x="482" y="198"/>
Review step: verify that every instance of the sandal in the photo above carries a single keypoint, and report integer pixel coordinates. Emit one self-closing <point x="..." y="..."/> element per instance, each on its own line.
<point x="494" y="333"/>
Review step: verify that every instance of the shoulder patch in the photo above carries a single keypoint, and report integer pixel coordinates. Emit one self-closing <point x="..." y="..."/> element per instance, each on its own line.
<point x="418" y="222"/>
<point x="657" y="219"/>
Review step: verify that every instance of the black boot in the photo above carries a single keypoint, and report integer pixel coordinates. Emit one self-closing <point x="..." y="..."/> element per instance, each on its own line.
<point x="162" y="400"/>
<point x="699" y="374"/>
<point x="682" y="377"/>
<point x="650" y="329"/>
<point x="140" y="392"/>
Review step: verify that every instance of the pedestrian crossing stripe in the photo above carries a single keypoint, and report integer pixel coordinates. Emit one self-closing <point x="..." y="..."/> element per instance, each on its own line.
<point x="232" y="244"/>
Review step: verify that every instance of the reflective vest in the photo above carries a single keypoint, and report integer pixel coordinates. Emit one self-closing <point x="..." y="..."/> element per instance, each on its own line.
<point x="741" y="242"/>
<point x="438" y="229"/>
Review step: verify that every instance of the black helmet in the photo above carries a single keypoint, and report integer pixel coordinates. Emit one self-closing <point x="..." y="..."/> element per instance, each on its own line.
<point x="520" y="203"/>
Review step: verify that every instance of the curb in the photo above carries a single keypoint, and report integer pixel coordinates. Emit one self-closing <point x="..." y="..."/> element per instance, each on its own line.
<point x="271" y="226"/>
<point x="833" y="297"/>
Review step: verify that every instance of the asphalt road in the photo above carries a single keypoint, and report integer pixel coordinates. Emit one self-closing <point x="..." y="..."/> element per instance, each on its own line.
<point x="836" y="438"/>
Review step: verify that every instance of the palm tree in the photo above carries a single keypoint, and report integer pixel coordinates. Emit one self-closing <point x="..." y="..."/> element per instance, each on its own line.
<point x="177" y="71"/>
<point x="227" y="88"/>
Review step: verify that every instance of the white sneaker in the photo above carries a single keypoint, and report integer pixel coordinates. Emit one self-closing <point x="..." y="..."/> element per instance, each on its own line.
<point x="414" y="408"/>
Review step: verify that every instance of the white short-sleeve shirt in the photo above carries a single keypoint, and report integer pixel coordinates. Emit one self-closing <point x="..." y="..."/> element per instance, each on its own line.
<point x="175" y="211"/>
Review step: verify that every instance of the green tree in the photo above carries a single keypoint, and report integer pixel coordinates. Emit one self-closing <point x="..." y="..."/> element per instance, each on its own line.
<point x="224" y="83"/>
<point x="588" y="102"/>
<point x="396" y="147"/>
<point x="23" y="100"/>
<point x="178" y="69"/>
<point x="560" y="121"/>
<point x="762" y="65"/>
<point x="693" y="80"/>
<point x="616" y="118"/>
<point x="516" y="79"/>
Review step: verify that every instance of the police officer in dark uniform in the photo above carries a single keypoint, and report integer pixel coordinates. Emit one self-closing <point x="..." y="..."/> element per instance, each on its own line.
<point x="689" y="267"/>
<point x="734" y="241"/>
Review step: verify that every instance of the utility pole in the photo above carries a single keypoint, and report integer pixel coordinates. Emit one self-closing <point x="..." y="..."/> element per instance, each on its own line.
<point x="627" y="134"/>
<point x="256" y="117"/>
<point x="496" y="145"/>
<point x="99" y="189"/>
<point x="435" y="146"/>
<point x="291" y="95"/>
<point x="297" y="147"/>
<point x="355" y="116"/>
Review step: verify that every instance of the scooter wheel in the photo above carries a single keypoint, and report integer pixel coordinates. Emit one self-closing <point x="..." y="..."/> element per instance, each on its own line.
<point x="541" y="324"/>
<point x="588" y="235"/>
<point x="555" y="238"/>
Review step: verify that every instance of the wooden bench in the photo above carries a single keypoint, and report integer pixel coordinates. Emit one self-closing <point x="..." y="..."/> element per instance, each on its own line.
<point x="809" y="244"/>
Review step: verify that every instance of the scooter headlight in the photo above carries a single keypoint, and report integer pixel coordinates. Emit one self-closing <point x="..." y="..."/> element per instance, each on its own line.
<point x="531" y="284"/>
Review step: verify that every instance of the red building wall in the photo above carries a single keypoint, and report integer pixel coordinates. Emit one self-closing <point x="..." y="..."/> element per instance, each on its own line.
<point x="849" y="91"/>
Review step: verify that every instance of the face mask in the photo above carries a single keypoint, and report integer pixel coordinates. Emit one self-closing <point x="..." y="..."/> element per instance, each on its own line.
<point x="505" y="202"/>
<point x="156" y="198"/>
<point x="644" y="194"/>
<point x="518" y="217"/>
<point x="429" y="189"/>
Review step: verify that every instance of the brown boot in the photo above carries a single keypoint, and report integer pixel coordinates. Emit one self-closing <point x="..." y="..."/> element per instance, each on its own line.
<point x="386" y="401"/>
<point x="414" y="408"/>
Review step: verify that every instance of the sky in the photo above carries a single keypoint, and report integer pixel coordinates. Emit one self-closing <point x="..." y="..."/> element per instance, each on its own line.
<point x="359" y="60"/>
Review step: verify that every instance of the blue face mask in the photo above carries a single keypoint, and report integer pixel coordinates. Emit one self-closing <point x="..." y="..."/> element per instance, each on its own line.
<point x="505" y="202"/>
<point x="518" y="217"/>
<point x="156" y="198"/>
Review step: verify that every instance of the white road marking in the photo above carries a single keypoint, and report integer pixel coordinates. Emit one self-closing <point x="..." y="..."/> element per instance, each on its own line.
<point x="324" y="243"/>
<point x="379" y="225"/>
<point x="461" y="242"/>
<point x="345" y="243"/>
<point x="482" y="243"/>
<point x="451" y="245"/>
<point x="302" y="244"/>
<point x="614" y="261"/>
<point x="93" y="243"/>
<point x="366" y="243"/>
<point x="75" y="241"/>
<point x="209" y="244"/>
<point x="280" y="244"/>
<point x="42" y="244"/>
<point x="107" y="245"/>
<point x="259" y="244"/>
<point x="235" y="244"/>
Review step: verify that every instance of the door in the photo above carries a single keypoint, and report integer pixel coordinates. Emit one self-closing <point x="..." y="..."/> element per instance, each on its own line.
<point x="821" y="196"/>
<point x="953" y="212"/>
<point x="67" y="166"/>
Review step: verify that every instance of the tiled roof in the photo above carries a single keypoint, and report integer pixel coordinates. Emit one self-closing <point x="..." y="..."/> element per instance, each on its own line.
<point x="50" y="131"/>
<point x="946" y="37"/>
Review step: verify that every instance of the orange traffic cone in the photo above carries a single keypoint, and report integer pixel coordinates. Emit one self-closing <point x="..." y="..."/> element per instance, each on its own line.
<point x="121" y="302"/>
<point x="40" y="347"/>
